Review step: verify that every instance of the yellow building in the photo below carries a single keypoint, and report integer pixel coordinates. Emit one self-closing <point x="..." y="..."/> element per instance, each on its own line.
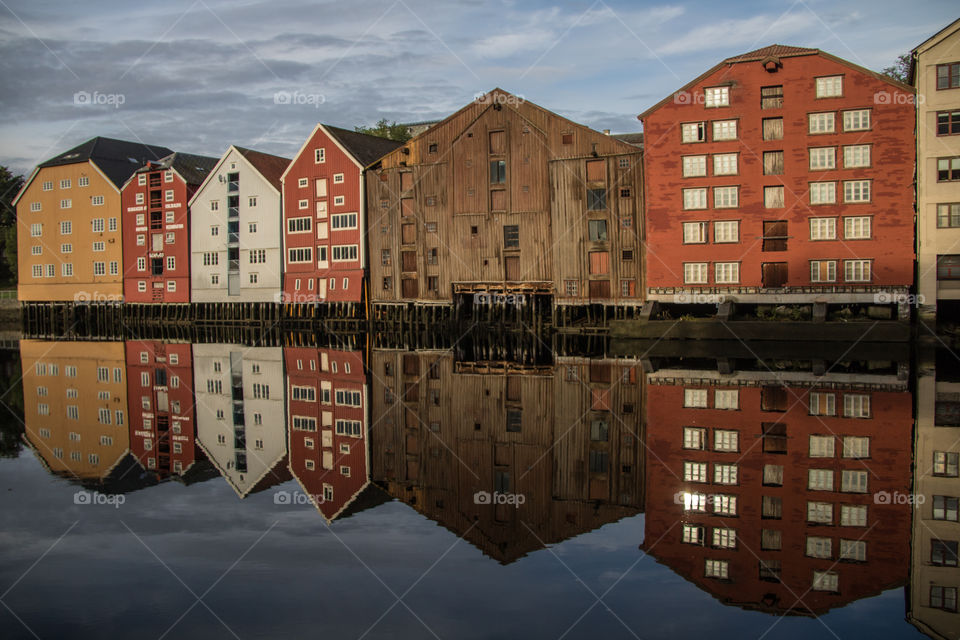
<point x="935" y="72"/>
<point x="69" y="244"/>
<point x="75" y="406"/>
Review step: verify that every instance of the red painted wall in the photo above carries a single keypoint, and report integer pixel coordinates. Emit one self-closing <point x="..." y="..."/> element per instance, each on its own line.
<point x="159" y="357"/>
<point x="887" y="533"/>
<point x="303" y="166"/>
<point x="891" y="135"/>
<point x="179" y="249"/>
<point x="304" y="367"/>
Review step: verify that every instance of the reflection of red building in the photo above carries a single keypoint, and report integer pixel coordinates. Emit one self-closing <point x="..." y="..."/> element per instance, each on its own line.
<point x="156" y="227"/>
<point x="160" y="392"/>
<point x="327" y="409"/>
<point x="767" y="506"/>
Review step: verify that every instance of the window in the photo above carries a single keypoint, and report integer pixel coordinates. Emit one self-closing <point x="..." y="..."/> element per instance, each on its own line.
<point x="724" y="164"/>
<point x="299" y="225"/>
<point x="171" y="263"/>
<point x="724" y="130"/>
<point x="99" y="246"/>
<point x="694" y="232"/>
<point x="825" y="581"/>
<point x="771" y="507"/>
<point x="856" y="228"/>
<point x="254" y="278"/>
<point x="303" y="182"/>
<point x="823" y="158"/>
<point x="773" y="163"/>
<point x="694" y="166"/>
<point x="338" y="178"/>
<point x="856" y="405"/>
<point x="303" y="254"/>
<point x="716" y="97"/>
<point x="822" y="404"/>
<point x="856" y="156"/>
<point x="724" y="505"/>
<point x="946" y="464"/>
<point x="823" y="192"/>
<point x="852" y="481"/>
<point x="697" y="131"/>
<point x="773" y="475"/>
<point x="821" y="446"/>
<point x="498" y="171"/>
<point x="856" y="270"/>
<point x="856" y="120"/>
<point x="65" y="184"/>
<point x="694" y="438"/>
<point x="773" y="128"/>
<point x="820" y="512"/>
<point x="597" y="230"/>
<point x="943" y="598"/>
<point x="344" y="253"/>
<point x="36" y="230"/>
<point x="694" y="198"/>
<point x="726" y="197"/>
<point x="511" y="235"/>
<point x="821" y="123"/>
<point x="856" y="447"/>
<point x="945" y="508"/>
<point x="48" y="185"/>
<point x="694" y="502"/>
<point x="724" y="538"/>
<point x="596" y="199"/>
<point x="820" y="479"/>
<point x="97" y="224"/>
<point x="773" y="197"/>
<point x="35" y="206"/>
<point x="258" y="256"/>
<point x="251" y="227"/>
<point x="571" y="287"/>
<point x="823" y="228"/>
<point x="771" y="97"/>
<point x="692" y="534"/>
<point x="695" y="471"/>
<point x="818" y="547"/>
<point x="725" y="474"/>
<point x="695" y="398"/>
<point x="948" y="215"/>
<point x="943" y="553"/>
<point x="99" y="268"/>
<point x="66" y="269"/>
<point x="727" y="399"/>
<point x="853" y="515"/>
<point x="717" y="569"/>
<point x="343" y="221"/>
<point x="695" y="272"/>
<point x="319" y="155"/>
<point x="37" y="250"/>
<point x="829" y="87"/>
<point x="948" y="75"/>
<point x="726" y="440"/>
<point x="726" y="272"/>
<point x="726" y="231"/>
<point x="856" y="191"/>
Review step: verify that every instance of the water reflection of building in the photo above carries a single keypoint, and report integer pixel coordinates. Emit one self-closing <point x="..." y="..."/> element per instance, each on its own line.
<point x="779" y="492"/>
<point x="328" y="412"/>
<point x="449" y="437"/>
<point x="241" y="413"/>
<point x="934" y="578"/>
<point x="75" y="409"/>
<point x="160" y="388"/>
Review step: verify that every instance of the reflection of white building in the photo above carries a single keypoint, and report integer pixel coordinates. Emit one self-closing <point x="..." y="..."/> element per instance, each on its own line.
<point x="235" y="240"/>
<point x="934" y="574"/>
<point x="241" y="413"/>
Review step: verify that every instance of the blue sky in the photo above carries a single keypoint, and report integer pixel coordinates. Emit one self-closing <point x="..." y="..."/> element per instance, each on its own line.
<point x="199" y="75"/>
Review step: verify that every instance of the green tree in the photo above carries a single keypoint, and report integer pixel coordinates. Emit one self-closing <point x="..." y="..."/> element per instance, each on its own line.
<point x="10" y="185"/>
<point x="384" y="129"/>
<point x="899" y="70"/>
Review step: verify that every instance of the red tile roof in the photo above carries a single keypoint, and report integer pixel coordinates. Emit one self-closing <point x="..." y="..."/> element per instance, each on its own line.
<point x="772" y="51"/>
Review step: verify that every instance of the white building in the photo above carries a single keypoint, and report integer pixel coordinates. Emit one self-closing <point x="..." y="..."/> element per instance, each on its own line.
<point x="235" y="235"/>
<point x="241" y="413"/>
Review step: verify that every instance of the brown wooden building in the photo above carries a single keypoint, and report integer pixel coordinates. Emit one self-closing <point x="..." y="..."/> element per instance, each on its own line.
<point x="505" y="197"/>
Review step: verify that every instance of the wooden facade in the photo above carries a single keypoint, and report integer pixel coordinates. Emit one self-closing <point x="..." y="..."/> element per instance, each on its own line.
<point x="495" y="199"/>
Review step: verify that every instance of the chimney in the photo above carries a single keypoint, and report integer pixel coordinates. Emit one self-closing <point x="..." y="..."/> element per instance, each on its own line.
<point x="606" y="132"/>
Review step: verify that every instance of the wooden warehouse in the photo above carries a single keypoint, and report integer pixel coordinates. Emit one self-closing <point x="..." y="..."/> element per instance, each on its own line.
<point x="506" y="198"/>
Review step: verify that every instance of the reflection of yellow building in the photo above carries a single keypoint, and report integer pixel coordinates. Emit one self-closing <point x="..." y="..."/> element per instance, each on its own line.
<point x="75" y="406"/>
<point x="934" y="574"/>
<point x="68" y="221"/>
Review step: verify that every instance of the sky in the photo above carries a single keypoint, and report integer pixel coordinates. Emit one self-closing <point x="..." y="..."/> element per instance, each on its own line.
<point x="200" y="75"/>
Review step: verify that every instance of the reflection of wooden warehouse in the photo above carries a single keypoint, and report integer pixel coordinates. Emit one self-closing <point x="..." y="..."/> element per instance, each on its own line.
<point x="506" y="197"/>
<point x="443" y="431"/>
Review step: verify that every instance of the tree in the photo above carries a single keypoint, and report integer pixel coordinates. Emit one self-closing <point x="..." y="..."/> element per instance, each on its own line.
<point x="384" y="129"/>
<point x="10" y="185"/>
<point x="899" y="70"/>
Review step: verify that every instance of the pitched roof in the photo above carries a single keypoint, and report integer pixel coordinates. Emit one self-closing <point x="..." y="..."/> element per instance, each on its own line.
<point x="772" y="51"/>
<point x="192" y="168"/>
<point x="270" y="167"/>
<point x="364" y="147"/>
<point x="636" y="139"/>
<point x="117" y="159"/>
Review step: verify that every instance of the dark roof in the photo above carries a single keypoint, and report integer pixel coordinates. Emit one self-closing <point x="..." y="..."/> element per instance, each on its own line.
<point x="194" y="169"/>
<point x="364" y="147"/>
<point x="636" y="139"/>
<point x="270" y="167"/>
<point x="117" y="159"/>
<point x="772" y="51"/>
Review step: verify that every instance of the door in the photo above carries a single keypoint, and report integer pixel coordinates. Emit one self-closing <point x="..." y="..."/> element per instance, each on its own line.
<point x="774" y="274"/>
<point x="775" y="235"/>
<point x="321" y="187"/>
<point x="512" y="268"/>
<point x="233" y="284"/>
<point x="409" y="288"/>
<point x="599" y="289"/>
<point x="408" y="261"/>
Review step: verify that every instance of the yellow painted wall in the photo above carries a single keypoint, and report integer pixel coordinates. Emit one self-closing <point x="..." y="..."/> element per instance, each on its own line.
<point x="82" y="285"/>
<point x="50" y="434"/>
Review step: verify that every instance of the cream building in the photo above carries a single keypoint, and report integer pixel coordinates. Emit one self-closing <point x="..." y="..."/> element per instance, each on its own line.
<point x="935" y="73"/>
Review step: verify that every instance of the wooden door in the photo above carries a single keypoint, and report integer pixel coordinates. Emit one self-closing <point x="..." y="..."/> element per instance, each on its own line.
<point x="409" y="287"/>
<point x="774" y="274"/>
<point x="512" y="268"/>
<point x="408" y="260"/>
<point x="775" y="235"/>
<point x="599" y="289"/>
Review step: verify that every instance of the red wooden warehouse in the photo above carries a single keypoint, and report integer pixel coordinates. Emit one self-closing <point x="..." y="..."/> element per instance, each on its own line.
<point x="781" y="175"/>
<point x="324" y="225"/>
<point x="156" y="228"/>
